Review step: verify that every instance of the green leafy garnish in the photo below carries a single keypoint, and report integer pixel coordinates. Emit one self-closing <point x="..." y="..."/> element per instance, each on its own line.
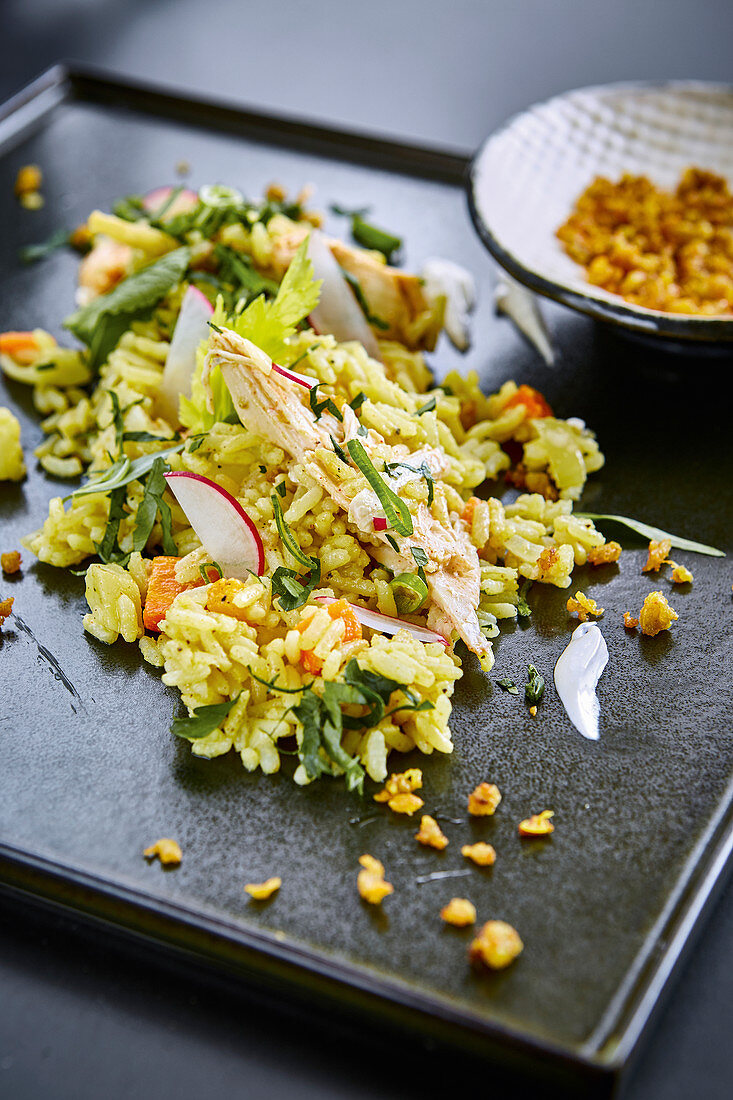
<point x="130" y="208"/>
<point x="523" y="609"/>
<point x="281" y="489"/>
<point x="508" y="685"/>
<point x="534" y="689"/>
<point x="237" y="268"/>
<point x="268" y="324"/>
<point x="370" y="236"/>
<point x="109" y="549"/>
<point x="122" y="472"/>
<point x="649" y="532"/>
<point x="357" y="402"/>
<point x="100" y="324"/>
<point x="421" y="558"/>
<point x="203" y="721"/>
<point x="322" y="722"/>
<point x="410" y="592"/>
<point x="395" y="509"/>
<point x="423" y="469"/>
<point x="319" y="407"/>
<point x="32" y="253"/>
<point x="393" y="543"/>
<point x="427" y="407"/>
<point x="340" y="451"/>
<point x="291" y="588"/>
<point x="150" y="506"/>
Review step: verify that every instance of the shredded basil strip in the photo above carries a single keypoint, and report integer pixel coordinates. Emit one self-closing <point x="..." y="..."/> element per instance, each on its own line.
<point x="339" y="451"/>
<point x="149" y="507"/>
<point x="395" y="509"/>
<point x="421" y="558"/>
<point x="357" y="402"/>
<point x="427" y="407"/>
<point x="392" y="542"/>
<point x="122" y="472"/>
<point x="203" y="721"/>
<point x="327" y="404"/>
<point x="109" y="549"/>
<point x="534" y="689"/>
<point x="281" y="489"/>
<point x="649" y="532"/>
<point x="34" y="252"/>
<point x="423" y="469"/>
<point x="292" y="589"/>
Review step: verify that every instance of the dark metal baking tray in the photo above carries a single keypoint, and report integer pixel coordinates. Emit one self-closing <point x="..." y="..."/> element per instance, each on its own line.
<point x="90" y="773"/>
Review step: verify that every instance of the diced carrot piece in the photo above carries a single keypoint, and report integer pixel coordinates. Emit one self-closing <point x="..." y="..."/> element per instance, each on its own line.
<point x="310" y="662"/>
<point x="533" y="401"/>
<point x="469" y="509"/>
<point x="162" y="591"/>
<point x="20" y="346"/>
<point x="342" y="609"/>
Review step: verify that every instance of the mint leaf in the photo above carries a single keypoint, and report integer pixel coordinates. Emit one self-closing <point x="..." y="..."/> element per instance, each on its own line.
<point x="203" y="721"/>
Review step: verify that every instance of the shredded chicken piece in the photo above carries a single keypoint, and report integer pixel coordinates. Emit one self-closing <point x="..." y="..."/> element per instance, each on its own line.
<point x="483" y="801"/>
<point x="496" y="946"/>
<point x="370" y="881"/>
<point x="483" y="855"/>
<point x="656" y="615"/>
<point x="603" y="555"/>
<point x="430" y="833"/>
<point x="167" y="850"/>
<point x="395" y="297"/>
<point x="459" y="912"/>
<point x="658" y="554"/>
<point x="584" y="606"/>
<point x="261" y="891"/>
<point x="269" y="405"/>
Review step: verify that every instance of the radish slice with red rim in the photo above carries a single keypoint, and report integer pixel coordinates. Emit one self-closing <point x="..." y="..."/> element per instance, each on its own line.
<point x="338" y="311"/>
<point x="184" y="201"/>
<point x="227" y="533"/>
<point x="293" y="376"/>
<point x="191" y="328"/>
<point x="375" y="620"/>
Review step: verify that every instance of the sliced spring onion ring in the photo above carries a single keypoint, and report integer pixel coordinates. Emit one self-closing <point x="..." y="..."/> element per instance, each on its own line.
<point x="410" y="592"/>
<point x="388" y="625"/>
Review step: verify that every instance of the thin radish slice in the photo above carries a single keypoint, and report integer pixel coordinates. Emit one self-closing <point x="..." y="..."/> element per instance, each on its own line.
<point x="293" y="376"/>
<point x="183" y="202"/>
<point x="191" y="328"/>
<point x="375" y="620"/>
<point x="226" y="532"/>
<point x="338" y="311"/>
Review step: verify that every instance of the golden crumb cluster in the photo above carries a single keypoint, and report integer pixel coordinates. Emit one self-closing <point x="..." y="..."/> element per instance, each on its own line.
<point x="168" y="852"/>
<point x="483" y="801"/>
<point x="537" y="824"/>
<point x="667" y="250"/>
<point x="398" y="792"/>
<point x="10" y="562"/>
<point x="370" y="881"/>
<point x="496" y="945"/>
<point x="583" y="606"/>
<point x="6" y="606"/>
<point x="261" y="891"/>
<point x="431" y="834"/>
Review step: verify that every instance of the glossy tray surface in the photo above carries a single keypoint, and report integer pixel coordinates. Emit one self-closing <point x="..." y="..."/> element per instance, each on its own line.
<point x="91" y="774"/>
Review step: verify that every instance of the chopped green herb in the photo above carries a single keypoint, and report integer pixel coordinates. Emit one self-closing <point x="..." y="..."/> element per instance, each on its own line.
<point x="523" y="609"/>
<point x="204" y="570"/>
<point x="395" y="509"/>
<point x="291" y="588"/>
<point x="281" y="489"/>
<point x="508" y="685"/>
<point x="214" y="327"/>
<point x="45" y="366"/>
<point x="357" y="402"/>
<point x="369" y="236"/>
<point x="319" y="407"/>
<point x="203" y="721"/>
<point x="427" y="407"/>
<point x="155" y="216"/>
<point x="122" y="472"/>
<point x="194" y="443"/>
<point x="130" y="208"/>
<point x="148" y="437"/>
<point x="423" y="469"/>
<point x="237" y="268"/>
<point x="109" y="549"/>
<point x="649" y="532"/>
<point x="339" y="451"/>
<point x="534" y="689"/>
<point x="421" y="558"/>
<point x="346" y="212"/>
<point x="355" y="285"/>
<point x="393" y="543"/>
<point x="100" y="324"/>
<point x="262" y="469"/>
<point x="32" y="253"/>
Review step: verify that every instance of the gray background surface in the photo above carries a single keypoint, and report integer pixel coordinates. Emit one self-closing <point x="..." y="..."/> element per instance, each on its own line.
<point x="78" y="1018"/>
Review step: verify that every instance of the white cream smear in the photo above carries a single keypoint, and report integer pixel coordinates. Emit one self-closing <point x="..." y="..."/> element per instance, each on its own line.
<point x="577" y="672"/>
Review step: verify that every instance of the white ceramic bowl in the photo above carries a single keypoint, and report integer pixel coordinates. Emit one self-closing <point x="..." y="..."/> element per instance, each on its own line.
<point x="526" y="177"/>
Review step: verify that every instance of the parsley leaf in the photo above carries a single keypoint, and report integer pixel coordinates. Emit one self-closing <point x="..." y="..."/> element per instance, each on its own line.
<point x="423" y="469"/>
<point x="523" y="609"/>
<point x="508" y="685"/>
<point x="203" y="721"/>
<point x="421" y="558"/>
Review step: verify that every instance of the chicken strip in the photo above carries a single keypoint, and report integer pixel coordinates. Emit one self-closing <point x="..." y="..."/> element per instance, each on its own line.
<point x="395" y="297"/>
<point x="274" y="408"/>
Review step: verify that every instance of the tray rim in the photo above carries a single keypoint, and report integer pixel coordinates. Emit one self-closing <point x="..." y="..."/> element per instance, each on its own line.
<point x="608" y="1053"/>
